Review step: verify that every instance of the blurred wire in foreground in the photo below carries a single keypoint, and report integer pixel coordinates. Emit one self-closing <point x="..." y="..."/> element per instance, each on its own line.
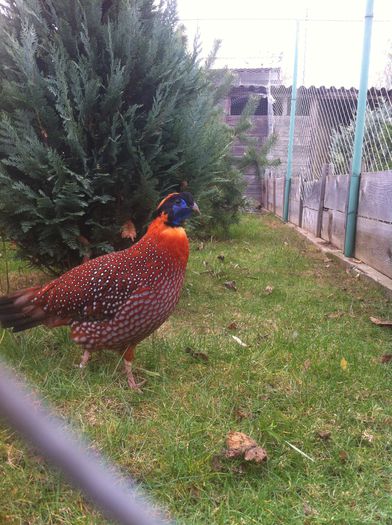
<point x="117" y="498"/>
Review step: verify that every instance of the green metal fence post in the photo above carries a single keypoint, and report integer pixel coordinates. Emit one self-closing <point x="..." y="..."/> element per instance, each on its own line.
<point x="355" y="178"/>
<point x="291" y="130"/>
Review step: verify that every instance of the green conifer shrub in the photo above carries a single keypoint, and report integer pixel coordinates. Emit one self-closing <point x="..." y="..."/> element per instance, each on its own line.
<point x="103" y="110"/>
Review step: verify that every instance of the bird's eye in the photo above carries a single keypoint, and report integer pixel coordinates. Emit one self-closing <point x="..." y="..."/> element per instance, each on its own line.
<point x="178" y="201"/>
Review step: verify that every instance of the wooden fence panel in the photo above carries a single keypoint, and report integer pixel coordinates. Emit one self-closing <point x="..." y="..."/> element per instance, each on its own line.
<point x="324" y="213"/>
<point x="270" y="193"/>
<point x="311" y="206"/>
<point x="294" y="203"/>
<point x="312" y="194"/>
<point x="374" y="244"/>
<point x="332" y="229"/>
<point x="375" y="198"/>
<point x="279" y="191"/>
<point x="336" y="187"/>
<point x="309" y="220"/>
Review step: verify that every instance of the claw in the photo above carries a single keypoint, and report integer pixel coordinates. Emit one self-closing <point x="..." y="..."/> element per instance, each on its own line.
<point x="136" y="386"/>
<point x="85" y="359"/>
<point x="131" y="380"/>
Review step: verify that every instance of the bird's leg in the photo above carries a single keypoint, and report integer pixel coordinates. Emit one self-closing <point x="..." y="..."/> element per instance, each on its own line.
<point x="85" y="359"/>
<point x="128" y="358"/>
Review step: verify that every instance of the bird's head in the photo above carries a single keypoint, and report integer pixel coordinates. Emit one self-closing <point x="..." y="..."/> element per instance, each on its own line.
<point x="178" y="207"/>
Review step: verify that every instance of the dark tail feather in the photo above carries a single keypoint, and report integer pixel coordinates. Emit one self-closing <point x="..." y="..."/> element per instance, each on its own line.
<point x="17" y="311"/>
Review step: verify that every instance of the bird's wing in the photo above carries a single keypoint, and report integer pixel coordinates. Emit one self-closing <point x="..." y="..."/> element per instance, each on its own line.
<point x="137" y="317"/>
<point x="93" y="290"/>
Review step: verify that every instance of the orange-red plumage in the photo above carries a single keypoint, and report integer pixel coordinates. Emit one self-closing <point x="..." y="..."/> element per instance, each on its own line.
<point x="116" y="300"/>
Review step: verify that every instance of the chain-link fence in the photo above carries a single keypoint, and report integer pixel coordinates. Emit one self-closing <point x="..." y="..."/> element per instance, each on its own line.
<point x="313" y="186"/>
<point x="326" y="113"/>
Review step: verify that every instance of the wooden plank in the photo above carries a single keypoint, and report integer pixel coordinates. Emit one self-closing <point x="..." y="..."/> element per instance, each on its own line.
<point x="274" y="194"/>
<point x="321" y="201"/>
<point x="312" y="194"/>
<point x="294" y="201"/>
<point x="300" y="213"/>
<point x="309" y="220"/>
<point x="263" y="191"/>
<point x="375" y="197"/>
<point x="270" y="194"/>
<point x="333" y="227"/>
<point x="301" y="203"/>
<point x="374" y="244"/>
<point x="279" y="195"/>
<point x="336" y="192"/>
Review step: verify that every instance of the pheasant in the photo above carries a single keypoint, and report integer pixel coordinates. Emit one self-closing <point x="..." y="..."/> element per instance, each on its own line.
<point x="116" y="300"/>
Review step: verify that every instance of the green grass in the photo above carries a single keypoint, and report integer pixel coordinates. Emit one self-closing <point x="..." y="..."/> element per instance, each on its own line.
<point x="287" y="382"/>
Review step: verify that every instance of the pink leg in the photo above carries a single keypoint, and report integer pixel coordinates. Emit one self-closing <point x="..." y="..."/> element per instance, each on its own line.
<point x="128" y="358"/>
<point x="85" y="359"/>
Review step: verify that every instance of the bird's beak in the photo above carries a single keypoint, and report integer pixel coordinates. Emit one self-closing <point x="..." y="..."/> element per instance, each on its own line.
<point x="195" y="208"/>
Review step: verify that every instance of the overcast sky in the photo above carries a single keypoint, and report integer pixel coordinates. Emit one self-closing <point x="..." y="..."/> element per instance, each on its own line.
<point x="330" y="41"/>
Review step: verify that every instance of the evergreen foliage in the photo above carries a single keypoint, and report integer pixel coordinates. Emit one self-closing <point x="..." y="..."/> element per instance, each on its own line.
<point x="377" y="141"/>
<point x="103" y="111"/>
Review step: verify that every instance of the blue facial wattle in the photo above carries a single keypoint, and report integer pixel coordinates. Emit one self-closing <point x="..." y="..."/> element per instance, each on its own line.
<point x="181" y="212"/>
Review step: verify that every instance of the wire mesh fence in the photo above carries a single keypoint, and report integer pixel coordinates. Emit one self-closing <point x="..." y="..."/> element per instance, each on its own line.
<point x="316" y="143"/>
<point x="325" y="113"/>
<point x="328" y="73"/>
<point x="325" y="128"/>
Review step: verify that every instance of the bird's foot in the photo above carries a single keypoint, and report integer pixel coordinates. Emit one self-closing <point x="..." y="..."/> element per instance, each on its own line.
<point x="85" y="359"/>
<point x="136" y="386"/>
<point x="131" y="380"/>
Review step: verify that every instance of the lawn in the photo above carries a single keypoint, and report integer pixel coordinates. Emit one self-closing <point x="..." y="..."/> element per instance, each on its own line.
<point x="309" y="376"/>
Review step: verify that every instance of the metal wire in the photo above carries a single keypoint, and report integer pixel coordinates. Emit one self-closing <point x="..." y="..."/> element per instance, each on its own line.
<point x="118" y="498"/>
<point x="325" y="116"/>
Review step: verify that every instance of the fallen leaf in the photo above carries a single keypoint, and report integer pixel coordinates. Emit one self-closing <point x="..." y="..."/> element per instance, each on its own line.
<point x="221" y="257"/>
<point x="200" y="246"/>
<point x="256" y="454"/>
<point x="238" y="340"/>
<point x="232" y="326"/>
<point x="195" y="354"/>
<point x="14" y="456"/>
<point x="269" y="289"/>
<point x="380" y="322"/>
<point x="324" y="435"/>
<point x="128" y="230"/>
<point x="343" y="364"/>
<point x="240" y="445"/>
<point x="241" y="414"/>
<point x="307" y="365"/>
<point x="367" y="436"/>
<point x="308" y="511"/>
<point x="335" y="315"/>
<point x="386" y="358"/>
<point x="343" y="456"/>
<point x="231" y="285"/>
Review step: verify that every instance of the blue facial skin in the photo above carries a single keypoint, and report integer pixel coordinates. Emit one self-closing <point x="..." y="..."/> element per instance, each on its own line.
<point x="181" y="212"/>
